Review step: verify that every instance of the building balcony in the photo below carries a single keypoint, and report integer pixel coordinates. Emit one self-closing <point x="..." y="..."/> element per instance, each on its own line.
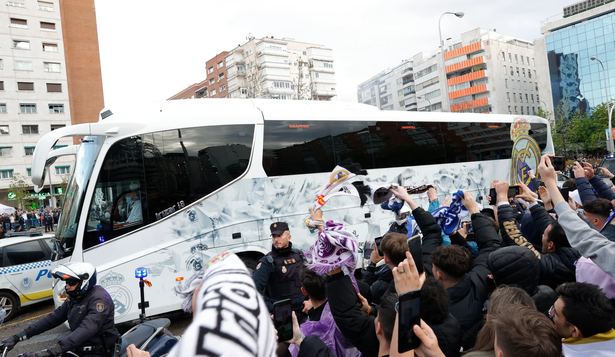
<point x="469" y="105"/>
<point x="465" y="50"/>
<point x="468" y="91"/>
<point x="465" y="64"/>
<point x="468" y="77"/>
<point x="320" y="54"/>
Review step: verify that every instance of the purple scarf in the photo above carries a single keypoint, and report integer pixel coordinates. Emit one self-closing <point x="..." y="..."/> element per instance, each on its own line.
<point x="335" y="248"/>
<point x="327" y="331"/>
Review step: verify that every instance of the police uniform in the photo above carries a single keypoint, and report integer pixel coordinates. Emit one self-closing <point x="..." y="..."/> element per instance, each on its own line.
<point x="90" y="318"/>
<point x="279" y="271"/>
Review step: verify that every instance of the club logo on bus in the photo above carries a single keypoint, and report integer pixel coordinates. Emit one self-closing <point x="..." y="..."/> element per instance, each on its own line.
<point x="525" y="153"/>
<point x="122" y="299"/>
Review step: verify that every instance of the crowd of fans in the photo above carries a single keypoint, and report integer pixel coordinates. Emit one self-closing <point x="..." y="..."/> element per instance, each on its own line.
<point x="537" y="280"/>
<point x="23" y="220"/>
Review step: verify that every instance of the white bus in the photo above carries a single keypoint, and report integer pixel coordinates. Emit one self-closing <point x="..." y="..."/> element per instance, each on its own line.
<point x="168" y="186"/>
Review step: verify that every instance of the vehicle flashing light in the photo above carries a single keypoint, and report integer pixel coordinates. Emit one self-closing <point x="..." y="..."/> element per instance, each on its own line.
<point x="141" y="273"/>
<point x="179" y="278"/>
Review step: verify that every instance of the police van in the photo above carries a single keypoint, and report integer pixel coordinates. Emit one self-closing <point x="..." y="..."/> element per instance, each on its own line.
<point x="25" y="272"/>
<point x="173" y="184"/>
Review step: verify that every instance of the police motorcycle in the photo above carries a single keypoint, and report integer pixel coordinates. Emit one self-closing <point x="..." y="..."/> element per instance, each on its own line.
<point x="152" y="336"/>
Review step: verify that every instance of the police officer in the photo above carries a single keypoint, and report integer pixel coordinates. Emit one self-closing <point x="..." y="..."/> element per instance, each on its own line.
<point x="89" y="311"/>
<point x="279" y="271"/>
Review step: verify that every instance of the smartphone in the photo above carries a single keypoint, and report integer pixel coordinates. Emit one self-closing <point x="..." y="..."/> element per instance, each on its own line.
<point x="409" y="315"/>
<point x="512" y="192"/>
<point x="368" y="248"/>
<point x="469" y="228"/>
<point x="565" y="191"/>
<point x="283" y="319"/>
<point x="416" y="250"/>
<point x="378" y="240"/>
<point x="558" y="162"/>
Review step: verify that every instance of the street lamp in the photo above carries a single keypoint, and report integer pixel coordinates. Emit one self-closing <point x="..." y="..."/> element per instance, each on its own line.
<point x="459" y="15"/>
<point x="610" y="110"/>
<point x="421" y="97"/>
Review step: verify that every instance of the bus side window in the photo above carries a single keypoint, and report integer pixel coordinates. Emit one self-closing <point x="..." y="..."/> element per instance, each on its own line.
<point x="185" y="165"/>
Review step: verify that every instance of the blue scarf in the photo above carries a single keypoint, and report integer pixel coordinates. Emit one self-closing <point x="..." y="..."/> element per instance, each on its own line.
<point x="449" y="218"/>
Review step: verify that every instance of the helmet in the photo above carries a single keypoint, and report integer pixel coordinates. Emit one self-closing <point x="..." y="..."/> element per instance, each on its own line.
<point x="83" y="273"/>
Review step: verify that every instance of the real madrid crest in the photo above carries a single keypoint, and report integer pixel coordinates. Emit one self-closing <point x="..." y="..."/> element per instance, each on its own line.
<point x="525" y="152"/>
<point x="284" y="270"/>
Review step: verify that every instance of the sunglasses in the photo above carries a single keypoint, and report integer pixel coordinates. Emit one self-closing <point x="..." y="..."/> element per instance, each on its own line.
<point x="72" y="282"/>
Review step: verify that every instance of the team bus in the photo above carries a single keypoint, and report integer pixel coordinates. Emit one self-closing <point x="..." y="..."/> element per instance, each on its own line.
<point x="170" y="185"/>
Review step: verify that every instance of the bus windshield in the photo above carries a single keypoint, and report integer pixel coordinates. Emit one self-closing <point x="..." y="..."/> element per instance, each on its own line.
<point x="75" y="192"/>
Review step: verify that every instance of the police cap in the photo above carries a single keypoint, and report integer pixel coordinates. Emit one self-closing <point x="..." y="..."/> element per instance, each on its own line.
<point x="278" y="228"/>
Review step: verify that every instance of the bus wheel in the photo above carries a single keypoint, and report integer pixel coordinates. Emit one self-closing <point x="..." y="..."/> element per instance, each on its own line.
<point x="250" y="263"/>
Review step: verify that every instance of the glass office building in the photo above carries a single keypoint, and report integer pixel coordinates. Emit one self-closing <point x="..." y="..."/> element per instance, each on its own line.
<point x="577" y="82"/>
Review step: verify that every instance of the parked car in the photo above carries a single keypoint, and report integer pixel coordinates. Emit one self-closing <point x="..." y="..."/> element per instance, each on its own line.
<point x="609" y="163"/>
<point x="25" y="272"/>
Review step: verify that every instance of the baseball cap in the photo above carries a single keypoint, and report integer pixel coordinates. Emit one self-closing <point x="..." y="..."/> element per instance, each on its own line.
<point x="278" y="228"/>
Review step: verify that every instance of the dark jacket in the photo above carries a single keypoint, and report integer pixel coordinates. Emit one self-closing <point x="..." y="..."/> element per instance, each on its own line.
<point x="356" y="326"/>
<point x="449" y="336"/>
<point x="468" y="296"/>
<point x="585" y="190"/>
<point x="609" y="232"/>
<point x="555" y="268"/>
<point x="540" y="220"/>
<point x="432" y="235"/>
<point x="313" y="346"/>
<point x="380" y="279"/>
<point x="90" y="319"/>
<point x="518" y="266"/>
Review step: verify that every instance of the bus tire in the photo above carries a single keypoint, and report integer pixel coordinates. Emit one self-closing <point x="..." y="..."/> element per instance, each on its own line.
<point x="9" y="303"/>
<point x="250" y="263"/>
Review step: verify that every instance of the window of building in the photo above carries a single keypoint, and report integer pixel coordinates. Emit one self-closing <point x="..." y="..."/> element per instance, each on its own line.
<point x="516" y="110"/>
<point x="54" y="87"/>
<point x="510" y="58"/>
<point x="512" y="71"/>
<point x="503" y="56"/>
<point x="532" y="96"/>
<point x="62" y="170"/>
<point x="520" y="98"/>
<point x="508" y="96"/>
<point x="526" y="99"/>
<point x="5" y="151"/>
<point x="50" y="47"/>
<point x="519" y="83"/>
<point x="528" y="110"/>
<point x="4" y="130"/>
<point x="19" y="23"/>
<point x="45" y="6"/>
<point x="25" y="86"/>
<point x="518" y="72"/>
<point x="52" y="67"/>
<point x="212" y="93"/>
<point x="57" y="126"/>
<point x="212" y="80"/>
<point x="210" y="70"/>
<point x="535" y="74"/>
<point x="536" y="85"/>
<point x="505" y="70"/>
<point x="29" y="129"/>
<point x="534" y="110"/>
<point x="48" y="26"/>
<point x="512" y="83"/>
<point x="516" y="59"/>
<point x="220" y="64"/>
<point x="23" y="65"/>
<point x="29" y="171"/>
<point x="5" y="174"/>
<point x="21" y="45"/>
<point x="515" y="97"/>
<point x="506" y="83"/>
<point x="522" y="110"/>
<point x="2" y="108"/>
<point x="1" y="63"/>
<point x="329" y="65"/>
<point x="16" y="4"/>
<point x="221" y="76"/>
<point x="533" y="64"/>
<point x="523" y="71"/>
<point x="529" y="73"/>
<point x="537" y="99"/>
<point x="29" y="150"/>
<point x="522" y="60"/>
<point x="223" y="88"/>
<point x="56" y="108"/>
<point x="509" y="110"/>
<point x="27" y="108"/>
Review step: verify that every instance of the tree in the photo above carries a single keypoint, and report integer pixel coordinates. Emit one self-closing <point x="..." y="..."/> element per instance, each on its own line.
<point x="18" y="190"/>
<point x="302" y="85"/>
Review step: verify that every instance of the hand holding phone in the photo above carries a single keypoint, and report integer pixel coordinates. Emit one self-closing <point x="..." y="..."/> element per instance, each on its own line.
<point x="469" y="228"/>
<point x="282" y="319"/>
<point x="415" y="246"/>
<point x="409" y="309"/>
<point x="512" y="192"/>
<point x="558" y="162"/>
<point x="377" y="241"/>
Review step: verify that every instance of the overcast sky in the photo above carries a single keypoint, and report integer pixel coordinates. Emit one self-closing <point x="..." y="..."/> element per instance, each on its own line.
<point x="150" y="50"/>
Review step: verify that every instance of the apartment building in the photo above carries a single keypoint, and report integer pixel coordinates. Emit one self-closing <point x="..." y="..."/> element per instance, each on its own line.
<point x="214" y="86"/>
<point x="49" y="78"/>
<point x="573" y="82"/>
<point x="488" y="72"/>
<point x="280" y="69"/>
<point x="391" y="89"/>
<point x="429" y="81"/>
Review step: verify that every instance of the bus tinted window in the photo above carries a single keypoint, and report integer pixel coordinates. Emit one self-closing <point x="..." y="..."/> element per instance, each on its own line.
<point x="147" y="177"/>
<point x="310" y="147"/>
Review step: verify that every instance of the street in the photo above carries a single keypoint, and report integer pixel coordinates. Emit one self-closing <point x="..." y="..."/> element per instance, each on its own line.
<point x="30" y="314"/>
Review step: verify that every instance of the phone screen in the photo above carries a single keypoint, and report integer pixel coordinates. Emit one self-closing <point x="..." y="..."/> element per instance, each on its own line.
<point x="416" y="250"/>
<point x="368" y="248"/>
<point x="565" y="191"/>
<point x="559" y="163"/>
<point x="378" y="240"/>
<point x="283" y="320"/>
<point x="513" y="191"/>
<point x="469" y="228"/>
<point x="409" y="315"/>
<point x="493" y="198"/>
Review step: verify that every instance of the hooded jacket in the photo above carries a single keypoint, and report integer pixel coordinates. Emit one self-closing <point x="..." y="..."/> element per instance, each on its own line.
<point x="380" y="280"/>
<point x="517" y="266"/>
